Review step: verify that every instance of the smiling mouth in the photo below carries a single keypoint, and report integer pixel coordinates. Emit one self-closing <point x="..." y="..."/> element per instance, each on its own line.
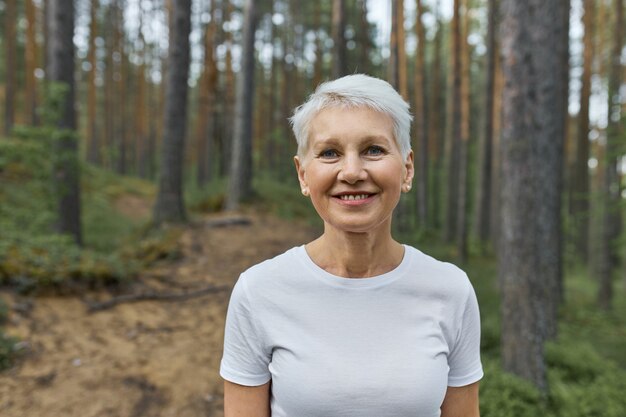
<point x="352" y="197"/>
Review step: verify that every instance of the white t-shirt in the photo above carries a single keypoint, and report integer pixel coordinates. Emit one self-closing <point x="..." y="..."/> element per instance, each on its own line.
<point x="383" y="346"/>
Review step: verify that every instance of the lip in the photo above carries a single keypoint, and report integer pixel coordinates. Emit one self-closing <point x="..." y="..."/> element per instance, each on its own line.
<point x="352" y="203"/>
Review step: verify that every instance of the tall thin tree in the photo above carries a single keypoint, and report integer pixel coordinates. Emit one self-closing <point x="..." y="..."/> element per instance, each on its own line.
<point x="61" y="94"/>
<point x="10" y="22"/>
<point x="464" y="139"/>
<point x="483" y="200"/>
<point x="580" y="175"/>
<point x="611" y="217"/>
<point x="240" y="182"/>
<point x="421" y="117"/>
<point x="93" y="142"/>
<point x="454" y="126"/>
<point x="338" y="34"/>
<point x="169" y="205"/>
<point x="531" y="150"/>
<point x="31" y="53"/>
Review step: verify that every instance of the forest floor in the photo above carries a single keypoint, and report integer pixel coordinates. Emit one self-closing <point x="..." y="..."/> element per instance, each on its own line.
<point x="142" y="359"/>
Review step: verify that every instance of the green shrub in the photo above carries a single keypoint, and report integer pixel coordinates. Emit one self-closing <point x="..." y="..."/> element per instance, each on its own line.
<point x="7" y="351"/>
<point x="505" y="395"/>
<point x="583" y="383"/>
<point x="54" y="262"/>
<point x="4" y="312"/>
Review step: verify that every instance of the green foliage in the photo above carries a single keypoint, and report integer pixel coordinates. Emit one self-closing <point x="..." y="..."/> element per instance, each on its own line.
<point x="6" y="343"/>
<point x="207" y="199"/>
<point x="583" y="383"/>
<point x="32" y="256"/>
<point x="55" y="262"/>
<point x="4" y="312"/>
<point x="505" y="395"/>
<point x="7" y="351"/>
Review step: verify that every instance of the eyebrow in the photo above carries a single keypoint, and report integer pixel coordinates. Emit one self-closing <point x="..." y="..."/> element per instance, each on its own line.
<point x="370" y="138"/>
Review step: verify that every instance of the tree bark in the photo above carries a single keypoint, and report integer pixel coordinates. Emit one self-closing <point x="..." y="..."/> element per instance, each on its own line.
<point x="531" y="151"/>
<point x="60" y="73"/>
<point x="365" y="43"/>
<point x="611" y="217"/>
<point x="396" y="71"/>
<point x="140" y="119"/>
<point x="483" y="200"/>
<point x="206" y="96"/>
<point x="10" y="22"/>
<point x="464" y="139"/>
<point x="93" y="140"/>
<point x="339" y="42"/>
<point x="580" y="177"/>
<point x="170" y="205"/>
<point x="421" y="119"/>
<point x="454" y="121"/>
<point x="228" y="117"/>
<point x="31" y="54"/>
<point x="436" y="136"/>
<point x="240" y="183"/>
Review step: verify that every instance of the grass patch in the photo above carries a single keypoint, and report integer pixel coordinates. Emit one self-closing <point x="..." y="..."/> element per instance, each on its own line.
<point x="34" y="258"/>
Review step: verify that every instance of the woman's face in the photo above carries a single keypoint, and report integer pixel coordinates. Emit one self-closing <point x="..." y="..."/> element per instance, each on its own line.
<point x="353" y="169"/>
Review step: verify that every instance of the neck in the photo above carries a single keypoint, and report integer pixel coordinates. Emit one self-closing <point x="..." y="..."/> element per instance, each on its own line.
<point x="356" y="255"/>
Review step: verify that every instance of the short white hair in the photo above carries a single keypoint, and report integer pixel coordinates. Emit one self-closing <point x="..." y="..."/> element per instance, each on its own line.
<point x="353" y="91"/>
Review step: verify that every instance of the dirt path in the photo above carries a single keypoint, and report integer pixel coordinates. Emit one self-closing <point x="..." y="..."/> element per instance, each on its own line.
<point x="142" y="359"/>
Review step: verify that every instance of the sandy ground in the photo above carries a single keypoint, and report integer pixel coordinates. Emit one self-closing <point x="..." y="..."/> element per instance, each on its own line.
<point x="151" y="358"/>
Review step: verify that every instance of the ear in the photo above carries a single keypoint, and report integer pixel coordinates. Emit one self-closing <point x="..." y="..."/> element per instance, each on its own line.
<point x="409" y="168"/>
<point x="300" y="171"/>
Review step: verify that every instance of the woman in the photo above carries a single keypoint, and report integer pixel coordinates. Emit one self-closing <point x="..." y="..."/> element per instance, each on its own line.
<point x="353" y="323"/>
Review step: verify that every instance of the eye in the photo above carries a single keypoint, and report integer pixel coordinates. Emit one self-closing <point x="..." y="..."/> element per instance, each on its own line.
<point x="328" y="153"/>
<point x="375" y="151"/>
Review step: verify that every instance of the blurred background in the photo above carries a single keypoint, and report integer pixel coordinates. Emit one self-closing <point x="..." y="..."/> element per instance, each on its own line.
<point x="146" y="160"/>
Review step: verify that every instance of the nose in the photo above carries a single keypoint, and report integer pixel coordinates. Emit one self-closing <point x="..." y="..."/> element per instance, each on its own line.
<point x="352" y="169"/>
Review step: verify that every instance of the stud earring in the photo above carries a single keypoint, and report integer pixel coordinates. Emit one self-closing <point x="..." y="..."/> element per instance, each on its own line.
<point x="305" y="192"/>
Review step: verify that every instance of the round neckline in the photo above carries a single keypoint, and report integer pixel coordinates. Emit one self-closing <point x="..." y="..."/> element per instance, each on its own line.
<point x="367" y="282"/>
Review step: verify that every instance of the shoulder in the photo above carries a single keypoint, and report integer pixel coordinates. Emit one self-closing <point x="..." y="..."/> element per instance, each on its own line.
<point x="443" y="272"/>
<point x="442" y="280"/>
<point x="271" y="271"/>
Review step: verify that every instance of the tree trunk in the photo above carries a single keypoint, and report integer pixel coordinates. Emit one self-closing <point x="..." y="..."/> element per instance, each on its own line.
<point x="228" y="118"/>
<point x="421" y="119"/>
<point x="319" y="52"/>
<point x="436" y="135"/>
<point x="580" y="177"/>
<point x="364" y="38"/>
<point x="611" y="216"/>
<point x="60" y="74"/>
<point x="93" y="142"/>
<point x="109" y="90"/>
<point x="483" y="200"/>
<point x="531" y="150"/>
<point x="464" y="138"/>
<point x="170" y="205"/>
<point x="397" y="55"/>
<point x="204" y="136"/>
<point x="454" y="121"/>
<point x="339" y="42"/>
<point x="31" y="54"/>
<point x="240" y="183"/>
<point x="141" y="127"/>
<point x="120" y="74"/>
<point x="10" y="22"/>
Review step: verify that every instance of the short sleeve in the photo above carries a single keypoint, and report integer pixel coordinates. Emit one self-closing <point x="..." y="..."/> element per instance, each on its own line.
<point x="464" y="357"/>
<point x="245" y="360"/>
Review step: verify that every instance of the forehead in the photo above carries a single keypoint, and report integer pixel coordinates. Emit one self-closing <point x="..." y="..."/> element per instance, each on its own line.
<point x="350" y="123"/>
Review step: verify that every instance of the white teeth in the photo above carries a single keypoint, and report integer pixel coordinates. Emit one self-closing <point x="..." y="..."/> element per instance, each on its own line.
<point x="354" y="197"/>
